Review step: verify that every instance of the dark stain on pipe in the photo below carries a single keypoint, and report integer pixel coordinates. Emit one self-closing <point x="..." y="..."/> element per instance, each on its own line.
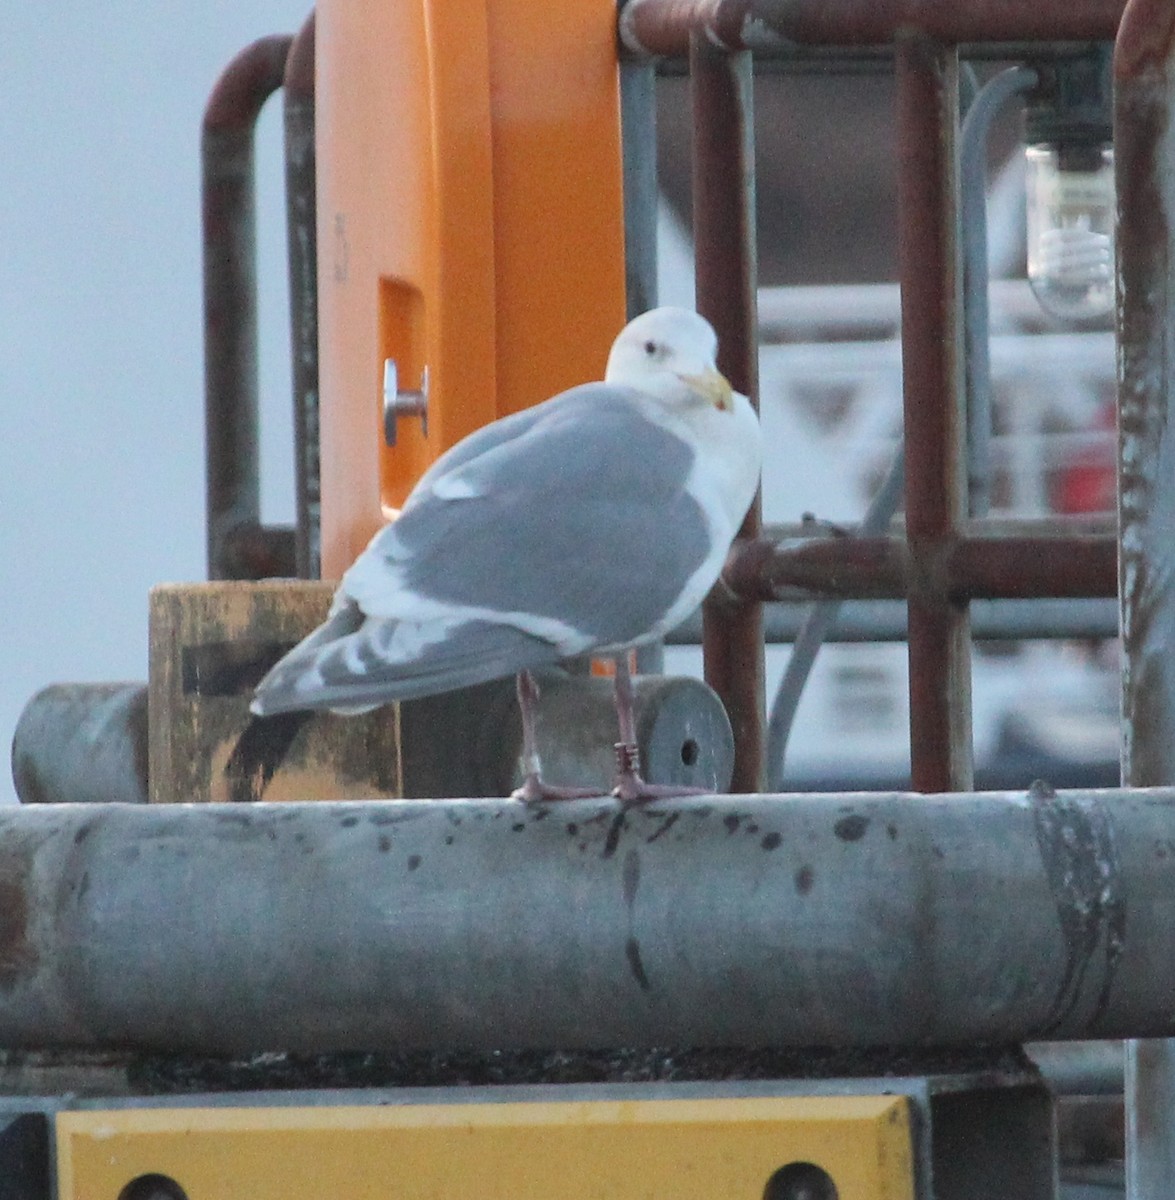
<point x="632" y="950"/>
<point x="1084" y="875"/>
<point x="17" y="954"/>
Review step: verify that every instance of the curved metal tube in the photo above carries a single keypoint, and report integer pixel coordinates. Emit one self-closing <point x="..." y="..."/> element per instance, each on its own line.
<point x="239" y="547"/>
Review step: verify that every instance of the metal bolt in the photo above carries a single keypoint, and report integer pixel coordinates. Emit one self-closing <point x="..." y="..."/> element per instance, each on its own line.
<point x="153" y="1187"/>
<point x="801" y="1181"/>
<point x="398" y="403"/>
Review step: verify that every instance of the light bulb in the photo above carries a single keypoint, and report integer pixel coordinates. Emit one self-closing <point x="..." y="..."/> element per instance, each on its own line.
<point x="1071" y="228"/>
<point x="1069" y="178"/>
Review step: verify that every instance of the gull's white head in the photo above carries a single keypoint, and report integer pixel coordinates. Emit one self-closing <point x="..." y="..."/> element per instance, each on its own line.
<point x="670" y="353"/>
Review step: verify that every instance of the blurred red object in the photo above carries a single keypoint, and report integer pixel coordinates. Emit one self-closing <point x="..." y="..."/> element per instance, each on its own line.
<point x="1088" y="482"/>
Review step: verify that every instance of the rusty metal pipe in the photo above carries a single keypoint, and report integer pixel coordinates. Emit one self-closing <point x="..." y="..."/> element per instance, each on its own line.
<point x="876" y="22"/>
<point x="713" y="921"/>
<point x="954" y="570"/>
<point x="302" y="239"/>
<point x="239" y="547"/>
<point x="727" y="285"/>
<point x="1074" y="567"/>
<point x="939" y="646"/>
<point x="663" y="27"/>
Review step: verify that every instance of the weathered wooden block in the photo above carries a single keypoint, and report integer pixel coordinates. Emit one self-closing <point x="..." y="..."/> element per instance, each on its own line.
<point x="210" y="643"/>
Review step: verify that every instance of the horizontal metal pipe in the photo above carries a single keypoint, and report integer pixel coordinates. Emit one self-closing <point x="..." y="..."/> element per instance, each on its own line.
<point x="958" y="568"/>
<point x="82" y="743"/>
<point x="885" y="621"/>
<point x="853" y="919"/>
<point x="663" y="27"/>
<point x="1057" y="567"/>
<point x="1081" y="1068"/>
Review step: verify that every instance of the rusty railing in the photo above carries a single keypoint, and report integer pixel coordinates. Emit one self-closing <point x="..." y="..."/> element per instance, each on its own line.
<point x="944" y="559"/>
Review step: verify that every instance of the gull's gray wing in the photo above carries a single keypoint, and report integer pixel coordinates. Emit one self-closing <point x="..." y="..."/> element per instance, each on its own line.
<point x="565" y="528"/>
<point x="352" y="663"/>
<point x="582" y="519"/>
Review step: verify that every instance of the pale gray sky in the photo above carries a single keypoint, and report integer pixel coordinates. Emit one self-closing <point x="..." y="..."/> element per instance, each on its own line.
<point x="101" y="359"/>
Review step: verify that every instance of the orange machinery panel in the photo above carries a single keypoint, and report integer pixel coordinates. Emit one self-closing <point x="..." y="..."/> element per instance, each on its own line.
<point x="470" y="210"/>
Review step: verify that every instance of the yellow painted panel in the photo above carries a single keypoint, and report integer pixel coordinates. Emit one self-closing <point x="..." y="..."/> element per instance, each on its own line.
<point x="716" y="1149"/>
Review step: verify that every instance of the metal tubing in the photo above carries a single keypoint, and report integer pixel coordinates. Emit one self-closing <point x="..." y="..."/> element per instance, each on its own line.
<point x="885" y="621"/>
<point x="726" y="263"/>
<point x="1144" y="103"/>
<point x="638" y="111"/>
<point x="1093" y="1068"/>
<point x="82" y="743"/>
<point x="230" y="315"/>
<point x="301" y="215"/>
<point x="1056" y="567"/>
<point x="1144" y="108"/>
<point x="940" y="651"/>
<point x="820" y="620"/>
<point x="638" y="114"/>
<point x="663" y="27"/>
<point x="987" y="103"/>
<point x="953" y="570"/>
<point x="847" y="920"/>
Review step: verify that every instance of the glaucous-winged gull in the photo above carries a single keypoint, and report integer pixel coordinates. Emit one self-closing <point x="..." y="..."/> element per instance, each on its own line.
<point x="591" y="523"/>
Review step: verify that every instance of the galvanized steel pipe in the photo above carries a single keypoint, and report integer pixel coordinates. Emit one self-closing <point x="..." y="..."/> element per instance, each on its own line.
<point x="82" y="743"/>
<point x="893" y="920"/>
<point x="1144" y="108"/>
<point x="885" y="621"/>
<point x="1144" y="70"/>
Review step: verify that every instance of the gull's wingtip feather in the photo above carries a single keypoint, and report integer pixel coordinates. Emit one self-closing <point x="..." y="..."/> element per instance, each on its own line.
<point x="374" y="665"/>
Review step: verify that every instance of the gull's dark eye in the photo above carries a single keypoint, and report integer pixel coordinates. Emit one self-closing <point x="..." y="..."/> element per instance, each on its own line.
<point x="651" y="348"/>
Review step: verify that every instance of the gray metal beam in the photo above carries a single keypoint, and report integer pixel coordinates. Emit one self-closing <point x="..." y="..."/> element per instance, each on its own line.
<point x="857" y="919"/>
<point x="1144" y="101"/>
<point x="885" y="620"/>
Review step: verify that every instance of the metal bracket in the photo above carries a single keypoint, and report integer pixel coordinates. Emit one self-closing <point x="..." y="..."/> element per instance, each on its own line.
<point x="399" y="403"/>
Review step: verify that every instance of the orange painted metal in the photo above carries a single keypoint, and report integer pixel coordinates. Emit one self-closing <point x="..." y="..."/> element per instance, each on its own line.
<point x="470" y="216"/>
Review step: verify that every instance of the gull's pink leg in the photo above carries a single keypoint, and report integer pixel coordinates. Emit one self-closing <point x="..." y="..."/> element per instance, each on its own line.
<point x="630" y="787"/>
<point x="533" y="789"/>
